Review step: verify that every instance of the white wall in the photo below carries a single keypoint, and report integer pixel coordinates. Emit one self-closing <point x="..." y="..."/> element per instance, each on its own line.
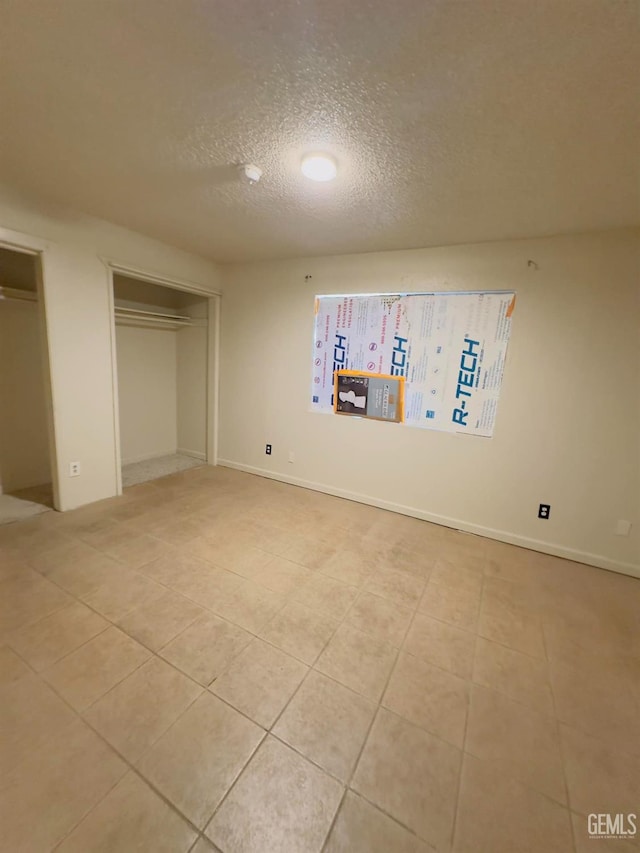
<point x="568" y="419"/>
<point x="76" y="286"/>
<point x="147" y="393"/>
<point x="192" y="390"/>
<point x="24" y="439"/>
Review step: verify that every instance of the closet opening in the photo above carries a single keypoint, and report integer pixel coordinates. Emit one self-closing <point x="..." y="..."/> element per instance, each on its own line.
<point x="163" y="360"/>
<point x="26" y="469"/>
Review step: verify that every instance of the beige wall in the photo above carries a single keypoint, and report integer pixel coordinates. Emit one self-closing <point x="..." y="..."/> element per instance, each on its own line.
<point x="568" y="419"/>
<point x="24" y="438"/>
<point x="162" y="391"/>
<point x="76" y="285"/>
<point x="192" y="390"/>
<point x="147" y="380"/>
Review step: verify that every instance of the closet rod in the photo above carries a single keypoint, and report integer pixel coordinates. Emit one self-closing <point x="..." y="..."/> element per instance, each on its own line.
<point x="137" y="317"/>
<point x="12" y="293"/>
<point x="151" y="315"/>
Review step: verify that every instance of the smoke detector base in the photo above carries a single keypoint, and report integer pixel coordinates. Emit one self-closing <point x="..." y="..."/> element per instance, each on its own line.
<point x="252" y="172"/>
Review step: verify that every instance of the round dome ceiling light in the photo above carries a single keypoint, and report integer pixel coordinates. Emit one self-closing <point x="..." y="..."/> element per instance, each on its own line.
<point x="319" y="167"/>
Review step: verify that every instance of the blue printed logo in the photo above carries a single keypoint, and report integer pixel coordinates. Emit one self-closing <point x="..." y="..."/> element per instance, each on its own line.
<point x="399" y="361"/>
<point x="466" y="381"/>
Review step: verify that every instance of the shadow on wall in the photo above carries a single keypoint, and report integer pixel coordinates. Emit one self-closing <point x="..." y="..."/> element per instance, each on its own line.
<point x="24" y="438"/>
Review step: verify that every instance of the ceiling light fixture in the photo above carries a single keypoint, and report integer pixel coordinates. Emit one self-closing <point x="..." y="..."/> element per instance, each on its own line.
<point x="319" y="167"/>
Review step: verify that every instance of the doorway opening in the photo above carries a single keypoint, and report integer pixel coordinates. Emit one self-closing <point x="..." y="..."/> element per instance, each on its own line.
<point x="26" y="468"/>
<point x="164" y="355"/>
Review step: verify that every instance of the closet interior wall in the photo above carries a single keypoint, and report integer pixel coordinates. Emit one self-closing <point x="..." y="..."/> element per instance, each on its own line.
<point x="25" y="462"/>
<point x="161" y="353"/>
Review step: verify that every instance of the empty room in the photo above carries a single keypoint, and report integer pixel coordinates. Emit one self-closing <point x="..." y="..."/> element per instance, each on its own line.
<point x="319" y="426"/>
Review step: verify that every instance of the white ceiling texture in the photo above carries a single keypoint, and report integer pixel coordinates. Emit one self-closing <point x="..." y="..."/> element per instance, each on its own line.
<point x="452" y="121"/>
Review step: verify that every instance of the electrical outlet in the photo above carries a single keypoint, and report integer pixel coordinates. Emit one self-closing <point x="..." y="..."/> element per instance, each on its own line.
<point x="292" y="456"/>
<point x="267" y="450"/>
<point x="74" y="469"/>
<point x="544" y="511"/>
<point x="623" y="528"/>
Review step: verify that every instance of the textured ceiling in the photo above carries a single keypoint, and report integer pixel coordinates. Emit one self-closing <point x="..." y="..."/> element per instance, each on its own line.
<point x="452" y="120"/>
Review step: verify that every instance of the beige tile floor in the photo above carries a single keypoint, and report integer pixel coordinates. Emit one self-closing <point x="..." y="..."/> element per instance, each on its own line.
<point x="216" y="661"/>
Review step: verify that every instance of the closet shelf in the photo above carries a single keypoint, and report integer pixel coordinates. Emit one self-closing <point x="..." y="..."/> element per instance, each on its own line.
<point x="148" y="319"/>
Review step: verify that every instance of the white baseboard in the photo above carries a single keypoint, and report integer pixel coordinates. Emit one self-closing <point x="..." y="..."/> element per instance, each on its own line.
<point x="196" y="454"/>
<point x="551" y="548"/>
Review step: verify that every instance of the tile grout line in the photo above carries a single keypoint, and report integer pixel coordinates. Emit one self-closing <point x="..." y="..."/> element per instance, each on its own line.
<point x="456" y="815"/>
<point x="67" y="654"/>
<point x="131" y="767"/>
<point x="393" y="818"/>
<point x="312" y="666"/>
<point x="365" y="740"/>
<point x="347" y="784"/>
<point x="270" y="732"/>
<point x="560" y="743"/>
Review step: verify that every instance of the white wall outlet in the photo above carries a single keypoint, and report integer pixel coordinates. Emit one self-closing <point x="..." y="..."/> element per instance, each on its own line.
<point x="74" y="469"/>
<point x="292" y="456"/>
<point x="623" y="528"/>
